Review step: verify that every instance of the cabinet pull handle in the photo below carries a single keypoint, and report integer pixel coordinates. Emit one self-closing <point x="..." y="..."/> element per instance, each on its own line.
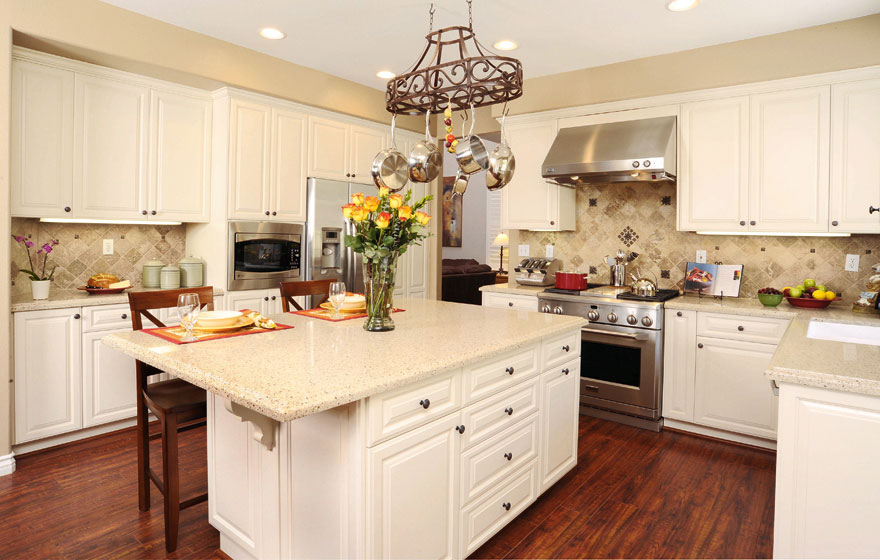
<point x="509" y="370"/>
<point x="509" y="411"/>
<point x="460" y="429"/>
<point x="76" y="316"/>
<point x="425" y="403"/>
<point x="565" y="371"/>
<point x="740" y="328"/>
<point x="678" y="314"/>
<point x="125" y="316"/>
<point x="566" y="348"/>
<point x="506" y="505"/>
<point x="700" y="345"/>
<point x="508" y="456"/>
<point x="67" y="208"/>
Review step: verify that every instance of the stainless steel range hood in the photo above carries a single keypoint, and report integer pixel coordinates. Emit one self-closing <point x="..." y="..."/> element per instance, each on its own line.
<point x="623" y="151"/>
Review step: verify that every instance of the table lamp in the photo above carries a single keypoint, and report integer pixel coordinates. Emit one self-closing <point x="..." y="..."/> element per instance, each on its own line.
<point x="501" y="240"/>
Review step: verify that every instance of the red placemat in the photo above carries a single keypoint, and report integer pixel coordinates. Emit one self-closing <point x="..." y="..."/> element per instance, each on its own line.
<point x="327" y="314"/>
<point x="176" y="334"/>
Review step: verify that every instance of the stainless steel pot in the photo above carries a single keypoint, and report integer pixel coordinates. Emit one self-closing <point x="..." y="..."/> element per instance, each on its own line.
<point x="461" y="183"/>
<point x="473" y="156"/>
<point x="501" y="163"/>
<point x="389" y="167"/>
<point x="425" y="160"/>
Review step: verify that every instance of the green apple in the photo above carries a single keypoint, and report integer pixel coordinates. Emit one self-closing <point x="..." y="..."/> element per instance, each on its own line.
<point x="801" y="287"/>
<point x="810" y="283"/>
<point x="822" y="287"/>
<point x="796" y="292"/>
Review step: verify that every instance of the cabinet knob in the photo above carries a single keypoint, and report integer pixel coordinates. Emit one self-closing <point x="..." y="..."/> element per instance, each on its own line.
<point x="742" y="222"/>
<point x="67" y="208"/>
<point x="566" y="347"/>
<point x="266" y="298"/>
<point x="267" y="212"/>
<point x="566" y="371"/>
<point x="273" y="298"/>
<point x="834" y="223"/>
<point x="509" y="370"/>
<point x="352" y="175"/>
<point x="76" y="316"/>
<point x="125" y="316"/>
<point x="678" y="314"/>
<point x="871" y="209"/>
<point x="144" y="212"/>
<point x="509" y="411"/>
<point x="753" y="222"/>
<point x="700" y="345"/>
<point x="153" y="213"/>
<point x="508" y="456"/>
<point x="460" y="429"/>
<point x="552" y="223"/>
<point x="425" y="403"/>
<point x="740" y="328"/>
<point x="509" y="304"/>
<point x="348" y="174"/>
<point x="274" y="213"/>
<point x="506" y="505"/>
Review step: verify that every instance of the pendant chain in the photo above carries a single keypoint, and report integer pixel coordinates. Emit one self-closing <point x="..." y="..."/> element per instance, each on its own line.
<point x="470" y="16"/>
<point x="431" y="22"/>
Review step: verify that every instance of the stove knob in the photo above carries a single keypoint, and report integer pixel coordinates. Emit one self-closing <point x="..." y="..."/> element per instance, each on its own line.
<point x="545" y="308"/>
<point x="612" y="317"/>
<point x="647" y="321"/>
<point x="631" y="319"/>
<point x="593" y="315"/>
<point x="557" y="310"/>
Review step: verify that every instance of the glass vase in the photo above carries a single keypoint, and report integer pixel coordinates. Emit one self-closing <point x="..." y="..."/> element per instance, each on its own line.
<point x="379" y="292"/>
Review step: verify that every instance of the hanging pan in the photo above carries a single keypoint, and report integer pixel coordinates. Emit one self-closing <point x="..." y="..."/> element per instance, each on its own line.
<point x="473" y="156"/>
<point x="389" y="167"/>
<point x="501" y="162"/>
<point x="425" y="160"/>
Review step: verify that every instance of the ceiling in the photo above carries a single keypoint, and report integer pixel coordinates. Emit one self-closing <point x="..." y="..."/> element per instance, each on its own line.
<point x="354" y="39"/>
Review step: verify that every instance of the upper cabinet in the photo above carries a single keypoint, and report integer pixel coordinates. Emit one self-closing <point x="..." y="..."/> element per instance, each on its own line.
<point x="855" y="165"/>
<point x="529" y="201"/>
<point x="287" y="193"/>
<point x="341" y="151"/>
<point x="107" y="145"/>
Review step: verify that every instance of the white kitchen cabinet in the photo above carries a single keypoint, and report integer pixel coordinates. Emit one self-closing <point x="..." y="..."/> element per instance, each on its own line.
<point x="108" y="381"/>
<point x="249" y="149"/>
<point x="713" y="183"/>
<point x="41" y="140"/>
<point x="287" y="186"/>
<point x="48" y="374"/>
<point x="855" y="167"/>
<point x="529" y="201"/>
<point x="365" y="143"/>
<point x="180" y="158"/>
<point x="412" y="493"/>
<point x="789" y="160"/>
<point x="110" y="156"/>
<point x="341" y="151"/>
<point x="827" y="496"/>
<point x="560" y="405"/>
<point x="730" y="390"/>
<point x="510" y="301"/>
<point x="265" y="302"/>
<point x="679" y="364"/>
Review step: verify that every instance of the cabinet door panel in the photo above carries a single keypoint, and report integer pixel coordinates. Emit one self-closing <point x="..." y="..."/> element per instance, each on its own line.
<point x="529" y="202"/>
<point x="417" y="265"/>
<point x="288" y="190"/>
<point x="48" y="373"/>
<point x="679" y="363"/>
<point x="855" y="167"/>
<point x="255" y="300"/>
<point x="109" y="383"/>
<point x="180" y="160"/>
<point x="110" y="149"/>
<point x="365" y="144"/>
<point x="713" y="185"/>
<point x="41" y="140"/>
<point x="560" y="393"/>
<point x="328" y="149"/>
<point x="788" y="160"/>
<point x="248" y="160"/>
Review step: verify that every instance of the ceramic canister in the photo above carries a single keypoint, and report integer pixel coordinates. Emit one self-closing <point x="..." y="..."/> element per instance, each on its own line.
<point x="152" y="277"/>
<point x="170" y="278"/>
<point x="192" y="272"/>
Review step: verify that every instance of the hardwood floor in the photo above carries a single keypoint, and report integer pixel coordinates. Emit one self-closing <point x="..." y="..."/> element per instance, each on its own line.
<point x="634" y="494"/>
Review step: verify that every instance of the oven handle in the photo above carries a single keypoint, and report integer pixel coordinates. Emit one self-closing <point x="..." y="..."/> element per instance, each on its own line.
<point x="632" y="336"/>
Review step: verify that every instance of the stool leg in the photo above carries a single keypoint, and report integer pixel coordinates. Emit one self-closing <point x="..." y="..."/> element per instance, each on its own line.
<point x="143" y="454"/>
<point x="171" y="478"/>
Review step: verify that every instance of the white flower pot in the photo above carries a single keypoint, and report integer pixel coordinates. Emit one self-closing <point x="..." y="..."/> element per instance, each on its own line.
<point x="40" y="288"/>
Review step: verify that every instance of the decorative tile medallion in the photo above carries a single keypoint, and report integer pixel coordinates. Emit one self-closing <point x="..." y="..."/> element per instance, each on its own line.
<point x="628" y="236"/>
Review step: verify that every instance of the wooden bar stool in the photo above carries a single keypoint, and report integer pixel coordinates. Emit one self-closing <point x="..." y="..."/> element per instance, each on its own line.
<point x="178" y="405"/>
<point x="289" y="290"/>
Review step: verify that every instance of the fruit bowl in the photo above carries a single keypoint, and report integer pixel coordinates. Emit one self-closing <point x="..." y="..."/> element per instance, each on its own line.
<point x="810" y="303"/>
<point x="770" y="300"/>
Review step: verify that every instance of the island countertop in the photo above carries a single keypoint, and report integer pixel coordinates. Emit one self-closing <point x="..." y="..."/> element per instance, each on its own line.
<point x="319" y="364"/>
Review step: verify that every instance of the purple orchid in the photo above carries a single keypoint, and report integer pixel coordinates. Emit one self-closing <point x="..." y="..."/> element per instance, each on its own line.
<point x="43" y="251"/>
<point x="47" y="247"/>
<point x="28" y="244"/>
<point x="19" y="238"/>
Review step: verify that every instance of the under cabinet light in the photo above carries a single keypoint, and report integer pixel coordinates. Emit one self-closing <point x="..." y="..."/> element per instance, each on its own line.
<point x="118" y="222"/>
<point x="775" y="233"/>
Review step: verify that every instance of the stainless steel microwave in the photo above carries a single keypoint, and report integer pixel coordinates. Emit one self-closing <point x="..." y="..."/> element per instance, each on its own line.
<point x="262" y="254"/>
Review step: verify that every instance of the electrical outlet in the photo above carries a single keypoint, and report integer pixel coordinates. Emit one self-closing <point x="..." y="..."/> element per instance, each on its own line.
<point x="701" y="256"/>
<point x="852" y="263"/>
<point x="548" y="251"/>
<point x="108" y="246"/>
<point x="523" y="250"/>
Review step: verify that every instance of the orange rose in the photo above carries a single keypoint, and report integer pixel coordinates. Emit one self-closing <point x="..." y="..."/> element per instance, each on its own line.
<point x="346" y="210"/>
<point x="371" y="203"/>
<point x="422" y="218"/>
<point x="404" y="212"/>
<point x="383" y="192"/>
<point x="359" y="213"/>
<point x="383" y="220"/>
<point x="358" y="198"/>
<point x="395" y="200"/>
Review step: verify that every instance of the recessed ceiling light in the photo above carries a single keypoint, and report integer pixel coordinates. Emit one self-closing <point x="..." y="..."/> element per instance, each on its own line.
<point x="681" y="5"/>
<point x="272" y="33"/>
<point x="506" y="45"/>
<point x="385" y="74"/>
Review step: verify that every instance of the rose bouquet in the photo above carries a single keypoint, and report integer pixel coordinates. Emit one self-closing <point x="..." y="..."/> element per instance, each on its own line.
<point x="383" y="228"/>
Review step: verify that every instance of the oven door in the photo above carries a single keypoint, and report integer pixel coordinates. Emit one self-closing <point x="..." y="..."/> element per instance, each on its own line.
<point x="261" y="260"/>
<point x="619" y="369"/>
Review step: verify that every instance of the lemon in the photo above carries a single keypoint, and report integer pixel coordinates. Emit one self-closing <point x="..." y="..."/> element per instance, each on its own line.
<point x="830" y="295"/>
<point x="818" y="294"/>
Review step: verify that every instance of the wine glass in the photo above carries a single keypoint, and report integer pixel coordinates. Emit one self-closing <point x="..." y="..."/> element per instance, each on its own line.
<point x="188" y="306"/>
<point x="337" y="297"/>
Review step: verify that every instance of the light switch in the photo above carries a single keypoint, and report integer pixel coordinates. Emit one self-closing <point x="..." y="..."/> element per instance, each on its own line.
<point x="548" y="251"/>
<point x="523" y="250"/>
<point x="108" y="246"/>
<point x="701" y="256"/>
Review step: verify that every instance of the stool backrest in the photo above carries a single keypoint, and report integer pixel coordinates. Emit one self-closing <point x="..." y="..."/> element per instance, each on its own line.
<point x="289" y="290"/>
<point x="142" y="302"/>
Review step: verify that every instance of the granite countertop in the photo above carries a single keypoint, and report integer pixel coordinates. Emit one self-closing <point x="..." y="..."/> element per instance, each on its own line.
<point x="320" y="364"/>
<point x="60" y="299"/>
<point x="514" y="288"/>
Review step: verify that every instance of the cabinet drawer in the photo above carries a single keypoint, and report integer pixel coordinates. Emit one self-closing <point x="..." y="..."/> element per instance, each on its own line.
<point x="510" y="301"/>
<point x="489" y="463"/>
<point x="560" y="349"/>
<point x="400" y="410"/>
<point x="485" y="517"/>
<point x="738" y="327"/>
<point x="492" y="376"/>
<point x="489" y="416"/>
<point x="106" y="317"/>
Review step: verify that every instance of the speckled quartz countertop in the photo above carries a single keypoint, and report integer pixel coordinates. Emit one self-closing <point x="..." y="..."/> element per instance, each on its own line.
<point x="842" y="366"/>
<point x="60" y="299"/>
<point x="319" y="364"/>
<point x="514" y="289"/>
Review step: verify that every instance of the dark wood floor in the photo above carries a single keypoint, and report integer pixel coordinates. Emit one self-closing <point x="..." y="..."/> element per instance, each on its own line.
<point x="634" y="494"/>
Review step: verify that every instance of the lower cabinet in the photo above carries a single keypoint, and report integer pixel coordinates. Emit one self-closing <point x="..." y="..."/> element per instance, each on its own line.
<point x="108" y="381"/>
<point x="510" y="301"/>
<point x="560" y="390"/>
<point x="266" y="302"/>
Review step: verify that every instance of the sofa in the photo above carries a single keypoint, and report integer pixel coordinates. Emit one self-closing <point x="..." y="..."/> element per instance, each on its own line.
<point x="462" y="278"/>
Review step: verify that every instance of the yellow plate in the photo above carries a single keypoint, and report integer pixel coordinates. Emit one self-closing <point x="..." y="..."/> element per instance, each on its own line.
<point x="329" y="307"/>
<point x="240" y="324"/>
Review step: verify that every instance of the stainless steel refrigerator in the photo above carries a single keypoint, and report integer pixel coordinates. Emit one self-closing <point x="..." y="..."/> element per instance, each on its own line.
<point x="327" y="256"/>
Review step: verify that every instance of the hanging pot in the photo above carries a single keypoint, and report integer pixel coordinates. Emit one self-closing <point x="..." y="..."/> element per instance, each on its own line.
<point x="501" y="163"/>
<point x="425" y="160"/>
<point x="473" y="156"/>
<point x="389" y="167"/>
<point x="461" y="183"/>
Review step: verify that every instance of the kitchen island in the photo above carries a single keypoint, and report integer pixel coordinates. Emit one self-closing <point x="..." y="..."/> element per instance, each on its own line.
<point x="328" y="441"/>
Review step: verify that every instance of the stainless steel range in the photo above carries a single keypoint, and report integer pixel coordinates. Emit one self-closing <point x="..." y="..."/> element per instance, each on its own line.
<point x="621" y="351"/>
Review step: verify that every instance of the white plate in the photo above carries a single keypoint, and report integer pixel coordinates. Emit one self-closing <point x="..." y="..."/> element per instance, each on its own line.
<point x="213" y="319"/>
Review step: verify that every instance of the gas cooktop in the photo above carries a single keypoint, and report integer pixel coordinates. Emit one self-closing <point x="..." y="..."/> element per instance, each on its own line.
<point x="603" y="291"/>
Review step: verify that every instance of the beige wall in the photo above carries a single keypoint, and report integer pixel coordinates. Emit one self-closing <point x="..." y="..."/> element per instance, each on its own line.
<point x="836" y="46"/>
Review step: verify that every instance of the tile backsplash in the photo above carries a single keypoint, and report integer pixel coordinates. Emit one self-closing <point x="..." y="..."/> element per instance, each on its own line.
<point x="79" y="253"/>
<point x="640" y="217"/>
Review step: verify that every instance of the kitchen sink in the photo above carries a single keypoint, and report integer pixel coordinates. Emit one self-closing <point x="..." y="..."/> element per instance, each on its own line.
<point x="844" y="332"/>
